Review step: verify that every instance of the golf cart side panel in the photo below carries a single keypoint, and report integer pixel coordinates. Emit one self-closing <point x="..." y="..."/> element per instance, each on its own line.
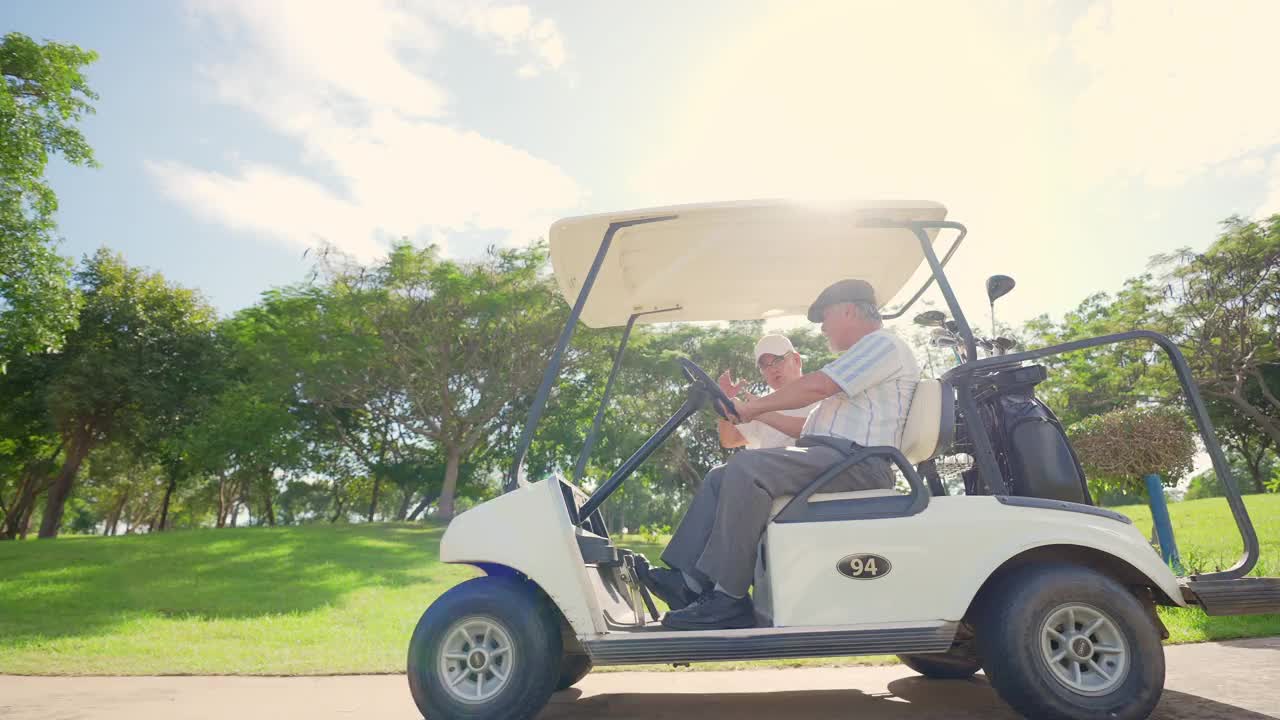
<point x="528" y="530"/>
<point x="917" y="578"/>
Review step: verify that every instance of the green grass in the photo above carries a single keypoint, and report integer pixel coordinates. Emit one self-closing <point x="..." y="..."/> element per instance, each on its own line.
<point x="344" y="599"/>
<point x="1207" y="541"/>
<point x="300" y="600"/>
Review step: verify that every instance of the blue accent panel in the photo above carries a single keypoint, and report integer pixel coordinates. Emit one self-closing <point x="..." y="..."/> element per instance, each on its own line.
<point x="1164" y="527"/>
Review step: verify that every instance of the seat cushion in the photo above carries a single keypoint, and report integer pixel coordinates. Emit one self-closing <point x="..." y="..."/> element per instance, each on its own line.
<point x="924" y="422"/>
<point x="781" y="501"/>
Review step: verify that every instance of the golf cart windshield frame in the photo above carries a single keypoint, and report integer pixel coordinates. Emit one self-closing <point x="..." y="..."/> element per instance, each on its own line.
<point x="962" y="377"/>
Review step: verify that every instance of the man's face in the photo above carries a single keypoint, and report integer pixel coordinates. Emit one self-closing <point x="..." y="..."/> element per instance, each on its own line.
<point x="839" y="324"/>
<point x="778" y="370"/>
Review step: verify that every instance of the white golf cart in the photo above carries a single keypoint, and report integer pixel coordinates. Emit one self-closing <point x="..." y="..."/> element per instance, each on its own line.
<point x="1020" y="576"/>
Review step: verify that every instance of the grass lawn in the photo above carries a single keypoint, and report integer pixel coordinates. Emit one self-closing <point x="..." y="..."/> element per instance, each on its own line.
<point x="345" y="598"/>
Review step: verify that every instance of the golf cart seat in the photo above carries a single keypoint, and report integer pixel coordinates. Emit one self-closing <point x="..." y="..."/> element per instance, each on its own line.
<point x="929" y="431"/>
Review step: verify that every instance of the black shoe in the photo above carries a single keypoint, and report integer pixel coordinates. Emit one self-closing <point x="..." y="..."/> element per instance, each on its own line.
<point x="714" y="611"/>
<point x="669" y="586"/>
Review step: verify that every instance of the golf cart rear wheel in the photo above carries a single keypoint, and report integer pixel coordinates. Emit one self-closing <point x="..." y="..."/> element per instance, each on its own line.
<point x="573" y="667"/>
<point x="1063" y="642"/>
<point x="490" y="647"/>
<point x="943" y="666"/>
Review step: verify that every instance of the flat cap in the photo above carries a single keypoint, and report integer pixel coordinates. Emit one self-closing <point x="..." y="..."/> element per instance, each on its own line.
<point x="844" y="291"/>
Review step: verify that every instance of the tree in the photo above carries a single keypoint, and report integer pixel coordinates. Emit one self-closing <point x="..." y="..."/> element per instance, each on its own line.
<point x="452" y="348"/>
<point x="1098" y="380"/>
<point x="134" y="355"/>
<point x="317" y="346"/>
<point x="43" y="96"/>
<point x="29" y="442"/>
<point x="1225" y="310"/>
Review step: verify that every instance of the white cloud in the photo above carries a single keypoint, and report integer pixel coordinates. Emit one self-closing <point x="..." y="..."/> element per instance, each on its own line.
<point x="1019" y="122"/>
<point x="512" y="25"/>
<point x="347" y="84"/>
<point x="1173" y="89"/>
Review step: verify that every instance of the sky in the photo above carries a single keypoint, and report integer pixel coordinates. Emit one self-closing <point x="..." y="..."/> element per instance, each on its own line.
<point x="1074" y="139"/>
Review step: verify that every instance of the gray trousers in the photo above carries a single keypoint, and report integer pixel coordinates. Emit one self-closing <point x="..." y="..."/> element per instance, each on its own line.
<point x="721" y="530"/>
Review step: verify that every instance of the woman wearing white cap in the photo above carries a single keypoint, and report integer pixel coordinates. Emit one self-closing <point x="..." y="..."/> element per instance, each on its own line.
<point x="779" y="364"/>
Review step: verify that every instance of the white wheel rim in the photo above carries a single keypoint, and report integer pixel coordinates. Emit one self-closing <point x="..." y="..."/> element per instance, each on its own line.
<point x="476" y="659"/>
<point x="1084" y="649"/>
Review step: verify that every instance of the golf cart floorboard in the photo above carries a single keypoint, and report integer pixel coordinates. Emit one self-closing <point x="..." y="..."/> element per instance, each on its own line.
<point x="667" y="646"/>
<point x="1245" y="596"/>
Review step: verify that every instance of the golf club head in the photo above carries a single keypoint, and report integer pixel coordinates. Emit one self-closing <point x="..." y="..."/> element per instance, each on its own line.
<point x="985" y="344"/>
<point x="952" y="326"/>
<point x="943" y="332"/>
<point x="998" y="286"/>
<point x="1004" y="344"/>
<point x="944" y="341"/>
<point x="930" y="318"/>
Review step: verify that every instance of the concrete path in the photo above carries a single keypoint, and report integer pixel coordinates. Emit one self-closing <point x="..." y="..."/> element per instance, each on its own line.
<point x="1239" y="680"/>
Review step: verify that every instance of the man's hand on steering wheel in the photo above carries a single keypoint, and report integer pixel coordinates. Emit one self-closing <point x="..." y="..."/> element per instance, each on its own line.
<point x="742" y="408"/>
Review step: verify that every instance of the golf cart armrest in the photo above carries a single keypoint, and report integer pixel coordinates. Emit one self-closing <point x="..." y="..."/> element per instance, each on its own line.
<point x="801" y="510"/>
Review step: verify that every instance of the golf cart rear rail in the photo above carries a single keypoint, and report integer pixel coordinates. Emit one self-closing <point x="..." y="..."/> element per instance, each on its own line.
<point x="963" y="375"/>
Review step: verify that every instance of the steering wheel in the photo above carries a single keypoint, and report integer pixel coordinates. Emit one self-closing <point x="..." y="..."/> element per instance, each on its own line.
<point x="719" y="401"/>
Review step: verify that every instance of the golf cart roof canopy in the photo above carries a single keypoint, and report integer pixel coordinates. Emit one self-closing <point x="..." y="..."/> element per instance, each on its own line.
<point x="735" y="260"/>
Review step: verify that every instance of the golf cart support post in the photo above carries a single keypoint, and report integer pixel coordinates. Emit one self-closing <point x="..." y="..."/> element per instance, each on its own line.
<point x="589" y="444"/>
<point x="553" y="367"/>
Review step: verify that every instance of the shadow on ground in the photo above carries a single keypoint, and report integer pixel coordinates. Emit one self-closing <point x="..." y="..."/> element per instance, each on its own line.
<point x="907" y="699"/>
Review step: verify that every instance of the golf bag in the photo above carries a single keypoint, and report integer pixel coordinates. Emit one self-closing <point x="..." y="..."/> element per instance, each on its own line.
<point x="1035" y="456"/>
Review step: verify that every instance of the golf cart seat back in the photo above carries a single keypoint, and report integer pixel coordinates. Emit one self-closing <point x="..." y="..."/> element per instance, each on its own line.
<point x="931" y="421"/>
<point x="929" y="431"/>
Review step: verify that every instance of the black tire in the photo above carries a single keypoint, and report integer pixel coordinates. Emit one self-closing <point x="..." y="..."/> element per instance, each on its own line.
<point x="943" y="666"/>
<point x="573" y="667"/>
<point x="531" y="624"/>
<point x="1011" y="628"/>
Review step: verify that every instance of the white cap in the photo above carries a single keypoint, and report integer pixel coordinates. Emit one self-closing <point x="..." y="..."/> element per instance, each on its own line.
<point x="773" y="345"/>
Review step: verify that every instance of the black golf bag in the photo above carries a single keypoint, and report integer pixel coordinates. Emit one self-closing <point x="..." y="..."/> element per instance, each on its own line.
<point x="1031" y="446"/>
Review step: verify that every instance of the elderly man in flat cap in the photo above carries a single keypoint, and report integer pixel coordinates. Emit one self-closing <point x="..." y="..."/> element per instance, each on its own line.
<point x="862" y="397"/>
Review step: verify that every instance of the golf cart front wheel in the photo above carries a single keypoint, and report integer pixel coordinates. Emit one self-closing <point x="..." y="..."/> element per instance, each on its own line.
<point x="1063" y="642"/>
<point x="489" y="647"/>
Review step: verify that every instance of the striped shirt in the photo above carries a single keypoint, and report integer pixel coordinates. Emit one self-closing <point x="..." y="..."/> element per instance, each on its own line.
<point x="877" y="377"/>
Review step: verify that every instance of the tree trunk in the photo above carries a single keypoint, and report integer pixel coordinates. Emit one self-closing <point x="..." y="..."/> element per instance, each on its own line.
<point x="450" y="487"/>
<point x="426" y="500"/>
<point x="23" y="501"/>
<point x="113" y="519"/>
<point x="56" y="502"/>
<point x="403" y="510"/>
<point x="1255" y="468"/>
<point x="24" y="524"/>
<point x="373" y="502"/>
<point x="270" y="511"/>
<point x="235" y="512"/>
<point x="337" y="504"/>
<point x="168" y="493"/>
<point x="222" y="500"/>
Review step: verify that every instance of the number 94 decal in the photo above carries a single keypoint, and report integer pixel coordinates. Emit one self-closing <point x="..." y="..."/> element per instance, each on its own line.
<point x="863" y="566"/>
